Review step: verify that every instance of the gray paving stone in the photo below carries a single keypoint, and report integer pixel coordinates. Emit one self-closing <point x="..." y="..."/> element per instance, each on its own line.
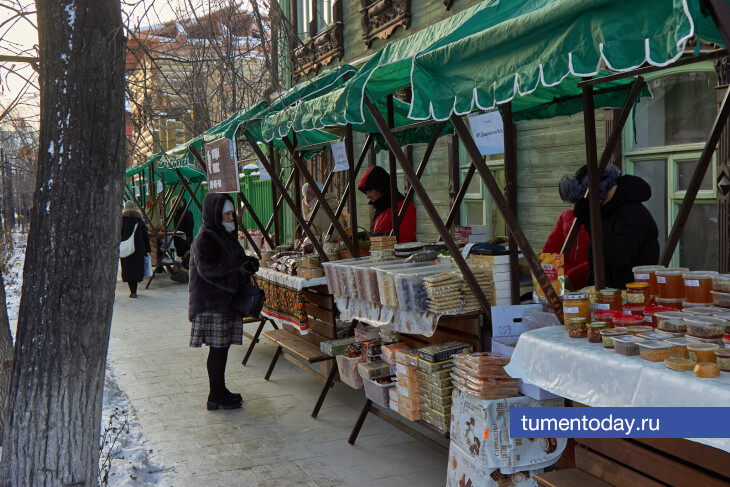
<point x="272" y="440"/>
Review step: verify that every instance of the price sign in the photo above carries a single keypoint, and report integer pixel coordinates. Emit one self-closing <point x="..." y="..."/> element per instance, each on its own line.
<point x="339" y="154"/>
<point x="488" y="132"/>
<point x="220" y="156"/>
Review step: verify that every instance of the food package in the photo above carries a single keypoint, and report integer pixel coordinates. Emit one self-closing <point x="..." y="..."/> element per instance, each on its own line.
<point x="463" y="471"/>
<point x="480" y="427"/>
<point x="388" y="351"/>
<point x="554" y="267"/>
<point x="406" y="370"/>
<point x="336" y="347"/>
<point x="375" y="370"/>
<point x="366" y="332"/>
<point x="442" y="351"/>
<point x="371" y="350"/>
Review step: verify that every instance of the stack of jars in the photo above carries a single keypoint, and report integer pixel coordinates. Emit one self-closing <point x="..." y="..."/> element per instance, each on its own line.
<point x="721" y="290"/>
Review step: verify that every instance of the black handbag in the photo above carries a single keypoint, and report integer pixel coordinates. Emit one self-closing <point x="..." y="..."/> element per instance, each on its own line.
<point x="249" y="299"/>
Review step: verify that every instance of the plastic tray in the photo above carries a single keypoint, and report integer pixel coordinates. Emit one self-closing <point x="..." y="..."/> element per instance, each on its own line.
<point x="411" y="289"/>
<point x="340" y="280"/>
<point x="348" y="371"/>
<point x="705" y="327"/>
<point x="378" y="393"/>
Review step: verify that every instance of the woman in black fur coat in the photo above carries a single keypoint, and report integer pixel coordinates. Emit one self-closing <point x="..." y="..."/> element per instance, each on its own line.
<point x="218" y="266"/>
<point x="133" y="265"/>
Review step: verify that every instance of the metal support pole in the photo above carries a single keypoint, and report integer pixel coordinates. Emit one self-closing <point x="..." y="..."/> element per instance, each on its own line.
<point x="611" y="145"/>
<point x="393" y="175"/>
<point x="694" y="185"/>
<point x="429" y="207"/>
<point x="289" y="201"/>
<point x="594" y="197"/>
<point x="510" y="183"/>
<point x="302" y="166"/>
<point x="509" y="217"/>
<point x="352" y="197"/>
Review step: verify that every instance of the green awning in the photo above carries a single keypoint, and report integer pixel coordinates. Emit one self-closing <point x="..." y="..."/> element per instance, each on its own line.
<point x="134" y="170"/>
<point x="530" y="52"/>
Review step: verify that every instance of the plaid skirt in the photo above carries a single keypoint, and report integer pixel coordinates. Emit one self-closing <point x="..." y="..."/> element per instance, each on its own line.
<point x="216" y="330"/>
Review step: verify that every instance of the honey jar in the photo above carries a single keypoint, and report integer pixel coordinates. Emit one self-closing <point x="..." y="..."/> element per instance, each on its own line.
<point x="651" y="311"/>
<point x="698" y="286"/>
<point x="576" y="305"/>
<point x="607" y="316"/>
<point x="647" y="273"/>
<point x="609" y="299"/>
<point x="671" y="283"/>
<point x="637" y="294"/>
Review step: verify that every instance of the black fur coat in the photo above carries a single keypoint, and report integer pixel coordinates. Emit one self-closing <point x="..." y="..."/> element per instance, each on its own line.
<point x="218" y="264"/>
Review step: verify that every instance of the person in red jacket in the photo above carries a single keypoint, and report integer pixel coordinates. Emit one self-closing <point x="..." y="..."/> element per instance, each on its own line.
<point x="576" y="260"/>
<point x="375" y="183"/>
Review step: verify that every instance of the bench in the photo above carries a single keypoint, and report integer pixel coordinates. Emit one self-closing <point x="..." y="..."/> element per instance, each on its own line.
<point x="303" y="350"/>
<point x="645" y="462"/>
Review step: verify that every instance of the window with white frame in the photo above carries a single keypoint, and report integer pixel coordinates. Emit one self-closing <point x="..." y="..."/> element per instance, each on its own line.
<point x="663" y="143"/>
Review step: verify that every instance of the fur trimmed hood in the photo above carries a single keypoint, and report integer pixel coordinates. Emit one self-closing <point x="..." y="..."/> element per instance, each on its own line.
<point x="132" y="214"/>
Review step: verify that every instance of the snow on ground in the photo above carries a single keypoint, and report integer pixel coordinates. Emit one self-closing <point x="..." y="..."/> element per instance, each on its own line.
<point x="126" y="456"/>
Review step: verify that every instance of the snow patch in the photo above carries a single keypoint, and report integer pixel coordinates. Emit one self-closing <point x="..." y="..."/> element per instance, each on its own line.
<point x="48" y="208"/>
<point x="71" y="12"/>
<point x="50" y="149"/>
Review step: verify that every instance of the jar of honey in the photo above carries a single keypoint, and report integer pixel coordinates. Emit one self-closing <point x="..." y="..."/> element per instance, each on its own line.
<point x="647" y="273"/>
<point x="637" y="293"/>
<point x="671" y="283"/>
<point x="634" y="309"/>
<point x="650" y="311"/>
<point x="671" y="302"/>
<point x="576" y="305"/>
<point x="698" y="286"/>
<point x="606" y="316"/>
<point x="609" y="299"/>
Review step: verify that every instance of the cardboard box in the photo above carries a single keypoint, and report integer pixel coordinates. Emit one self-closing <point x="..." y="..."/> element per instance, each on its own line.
<point x="506" y="330"/>
<point x="375" y="370"/>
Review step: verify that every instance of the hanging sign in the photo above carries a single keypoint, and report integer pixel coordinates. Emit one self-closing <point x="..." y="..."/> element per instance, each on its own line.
<point x="263" y="173"/>
<point x="220" y="156"/>
<point x="488" y="132"/>
<point x="159" y="187"/>
<point x="339" y="154"/>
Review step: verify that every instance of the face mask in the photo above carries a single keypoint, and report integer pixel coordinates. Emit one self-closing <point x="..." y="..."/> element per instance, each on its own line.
<point x="229" y="226"/>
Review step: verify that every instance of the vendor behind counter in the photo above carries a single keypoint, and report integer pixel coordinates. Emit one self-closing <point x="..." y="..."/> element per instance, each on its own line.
<point x="375" y="183"/>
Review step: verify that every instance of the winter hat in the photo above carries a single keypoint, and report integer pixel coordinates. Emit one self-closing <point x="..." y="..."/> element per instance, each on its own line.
<point x="227" y="206"/>
<point x="573" y="188"/>
<point x="129" y="205"/>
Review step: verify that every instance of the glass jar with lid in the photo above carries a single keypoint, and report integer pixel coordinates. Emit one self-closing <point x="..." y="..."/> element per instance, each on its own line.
<point x="698" y="286"/>
<point x="609" y="299"/>
<point x="647" y="273"/>
<point x="577" y="327"/>
<point x="637" y="293"/>
<point x="671" y="283"/>
<point x="576" y="305"/>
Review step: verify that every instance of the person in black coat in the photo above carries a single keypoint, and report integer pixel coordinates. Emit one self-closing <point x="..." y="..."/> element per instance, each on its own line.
<point x="630" y="234"/>
<point x="133" y="265"/>
<point x="218" y="267"/>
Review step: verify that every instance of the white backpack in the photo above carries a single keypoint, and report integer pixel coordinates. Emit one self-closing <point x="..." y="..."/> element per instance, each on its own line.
<point x="126" y="247"/>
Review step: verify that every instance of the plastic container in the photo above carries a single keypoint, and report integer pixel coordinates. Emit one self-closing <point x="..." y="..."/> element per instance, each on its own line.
<point x="608" y="334"/>
<point x="707" y="370"/>
<point x="654" y="350"/>
<point x="378" y="391"/>
<point x="637" y="294"/>
<point x="726" y="341"/>
<point x="340" y="279"/>
<point x="705" y="326"/>
<point x="715" y="341"/>
<point x="721" y="282"/>
<point x="671" y="283"/>
<point x="627" y="345"/>
<point x="594" y="331"/>
<point x="634" y="309"/>
<point x="659" y="335"/>
<point x="609" y="298"/>
<point x="606" y="315"/>
<point x="705" y="310"/>
<point x="679" y="364"/>
<point x="385" y="274"/>
<point x="647" y="273"/>
<point x="721" y="299"/>
<point x="679" y="348"/>
<point x="348" y="370"/>
<point x="697" y="285"/>
<point x="677" y="303"/>
<point x="576" y="305"/>
<point x="627" y="320"/>
<point x="651" y="311"/>
<point x="577" y="327"/>
<point x="411" y="289"/>
<point x="702" y="352"/>
<point x="639" y="329"/>
<point x="722" y="357"/>
<point x="671" y="321"/>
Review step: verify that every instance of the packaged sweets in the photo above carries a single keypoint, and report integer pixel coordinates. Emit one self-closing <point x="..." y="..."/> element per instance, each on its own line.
<point x="443" y="351"/>
<point x="554" y="267"/>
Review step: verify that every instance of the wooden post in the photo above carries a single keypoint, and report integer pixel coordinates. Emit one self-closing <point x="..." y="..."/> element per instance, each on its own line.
<point x="278" y="203"/>
<point x="352" y="197"/>
<point x="429" y="206"/>
<point x="392" y="172"/>
<point x="723" y="172"/>
<point x="454" y="212"/>
<point x="509" y="217"/>
<point x="510" y="183"/>
<point x="274" y="198"/>
<point x="454" y="182"/>
<point x="694" y="185"/>
<point x="241" y="212"/>
<point x="262" y="229"/>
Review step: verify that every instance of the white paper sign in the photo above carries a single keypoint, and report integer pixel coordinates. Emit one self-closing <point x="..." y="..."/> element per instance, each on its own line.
<point x="263" y="174"/>
<point x="340" y="156"/>
<point x="488" y="132"/>
<point x="159" y="186"/>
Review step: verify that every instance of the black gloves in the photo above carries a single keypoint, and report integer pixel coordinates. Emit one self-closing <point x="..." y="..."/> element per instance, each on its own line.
<point x="250" y="266"/>
<point x="582" y="212"/>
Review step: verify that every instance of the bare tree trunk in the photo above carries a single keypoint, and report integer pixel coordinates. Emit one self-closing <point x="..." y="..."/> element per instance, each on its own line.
<point x="54" y="408"/>
<point x="6" y="354"/>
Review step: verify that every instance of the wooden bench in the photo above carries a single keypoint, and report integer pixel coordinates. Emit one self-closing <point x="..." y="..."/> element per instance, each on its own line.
<point x="468" y="328"/>
<point x="303" y="350"/>
<point x="644" y="462"/>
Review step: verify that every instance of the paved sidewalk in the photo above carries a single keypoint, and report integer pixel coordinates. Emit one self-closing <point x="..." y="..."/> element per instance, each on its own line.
<point x="272" y="440"/>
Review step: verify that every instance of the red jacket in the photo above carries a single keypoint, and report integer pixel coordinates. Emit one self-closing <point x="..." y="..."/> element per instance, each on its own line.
<point x="384" y="223"/>
<point x="576" y="261"/>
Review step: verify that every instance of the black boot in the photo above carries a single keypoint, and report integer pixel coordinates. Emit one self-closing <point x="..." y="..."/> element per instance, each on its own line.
<point x="219" y="396"/>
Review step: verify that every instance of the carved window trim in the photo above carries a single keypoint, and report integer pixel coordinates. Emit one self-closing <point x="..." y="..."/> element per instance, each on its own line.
<point x="322" y="48"/>
<point x="380" y="18"/>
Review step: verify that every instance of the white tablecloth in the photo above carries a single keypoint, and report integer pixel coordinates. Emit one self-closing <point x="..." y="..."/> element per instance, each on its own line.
<point x="294" y="282"/>
<point x="596" y="376"/>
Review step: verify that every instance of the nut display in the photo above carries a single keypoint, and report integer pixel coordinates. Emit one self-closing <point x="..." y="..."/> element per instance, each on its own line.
<point x="722" y="357"/>
<point x="654" y="350"/>
<point x="577" y="327"/>
<point x="679" y="364"/>
<point x="608" y="334"/>
<point x="627" y="345"/>
<point x="594" y="331"/>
